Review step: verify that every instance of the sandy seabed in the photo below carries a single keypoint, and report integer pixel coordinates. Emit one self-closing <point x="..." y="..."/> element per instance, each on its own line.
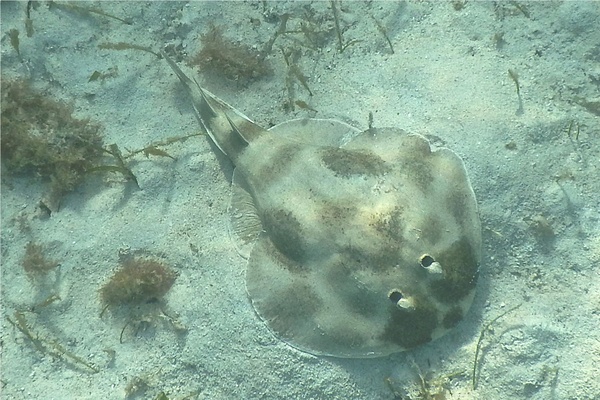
<point x="533" y="159"/>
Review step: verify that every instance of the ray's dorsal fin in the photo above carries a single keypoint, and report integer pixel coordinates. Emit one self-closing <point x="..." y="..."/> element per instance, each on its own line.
<point x="229" y="129"/>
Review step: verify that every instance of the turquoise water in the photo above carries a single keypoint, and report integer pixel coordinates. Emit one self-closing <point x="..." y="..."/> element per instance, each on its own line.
<point x="511" y="87"/>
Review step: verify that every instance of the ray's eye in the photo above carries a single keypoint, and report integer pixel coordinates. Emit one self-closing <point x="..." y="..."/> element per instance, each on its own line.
<point x="405" y="303"/>
<point x="395" y="296"/>
<point x="426" y="260"/>
<point x="433" y="267"/>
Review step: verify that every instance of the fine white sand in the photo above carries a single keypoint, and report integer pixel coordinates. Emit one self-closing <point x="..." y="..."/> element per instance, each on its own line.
<point x="447" y="78"/>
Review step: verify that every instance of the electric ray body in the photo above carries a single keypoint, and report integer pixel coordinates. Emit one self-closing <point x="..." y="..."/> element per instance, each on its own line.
<point x="359" y="244"/>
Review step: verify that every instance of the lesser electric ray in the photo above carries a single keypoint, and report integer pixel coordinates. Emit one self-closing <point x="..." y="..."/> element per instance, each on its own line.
<point x="359" y="244"/>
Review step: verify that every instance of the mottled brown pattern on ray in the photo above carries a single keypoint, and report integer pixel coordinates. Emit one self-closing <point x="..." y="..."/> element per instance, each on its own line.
<point x="358" y="244"/>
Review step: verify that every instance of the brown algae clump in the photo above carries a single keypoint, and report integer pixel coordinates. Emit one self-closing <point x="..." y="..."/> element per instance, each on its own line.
<point x="42" y="138"/>
<point x="139" y="280"/>
<point x="35" y="263"/>
<point x="235" y="61"/>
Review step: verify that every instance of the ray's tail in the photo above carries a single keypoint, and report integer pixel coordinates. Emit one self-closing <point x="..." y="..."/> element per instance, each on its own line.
<point x="229" y="129"/>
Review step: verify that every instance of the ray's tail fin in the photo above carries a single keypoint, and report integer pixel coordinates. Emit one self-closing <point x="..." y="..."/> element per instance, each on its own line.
<point x="229" y="129"/>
